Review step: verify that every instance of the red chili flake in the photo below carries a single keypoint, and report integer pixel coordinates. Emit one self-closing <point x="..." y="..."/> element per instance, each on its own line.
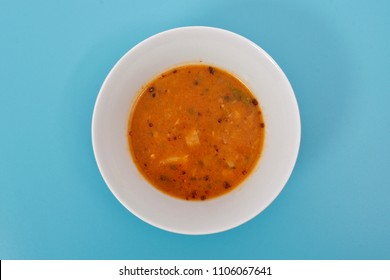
<point x="211" y="70"/>
<point x="151" y="89"/>
<point x="206" y="178"/>
<point x="226" y="185"/>
<point x="254" y="102"/>
<point x="262" y="125"/>
<point x="244" y="172"/>
<point x="150" y="124"/>
<point x="219" y="120"/>
<point x="203" y="197"/>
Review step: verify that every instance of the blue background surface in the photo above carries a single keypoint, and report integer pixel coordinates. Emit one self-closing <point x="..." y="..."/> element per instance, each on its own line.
<point x="54" y="56"/>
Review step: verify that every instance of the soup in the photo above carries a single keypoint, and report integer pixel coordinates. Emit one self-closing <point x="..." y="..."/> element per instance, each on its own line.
<point x="196" y="132"/>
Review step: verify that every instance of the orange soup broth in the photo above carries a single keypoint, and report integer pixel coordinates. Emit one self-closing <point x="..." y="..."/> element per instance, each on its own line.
<point x="196" y="132"/>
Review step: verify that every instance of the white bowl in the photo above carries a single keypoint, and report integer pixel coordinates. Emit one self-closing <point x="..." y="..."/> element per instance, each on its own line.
<point x="228" y="51"/>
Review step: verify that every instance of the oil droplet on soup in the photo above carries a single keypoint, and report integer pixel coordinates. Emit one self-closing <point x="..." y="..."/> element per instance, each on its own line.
<point x="196" y="132"/>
